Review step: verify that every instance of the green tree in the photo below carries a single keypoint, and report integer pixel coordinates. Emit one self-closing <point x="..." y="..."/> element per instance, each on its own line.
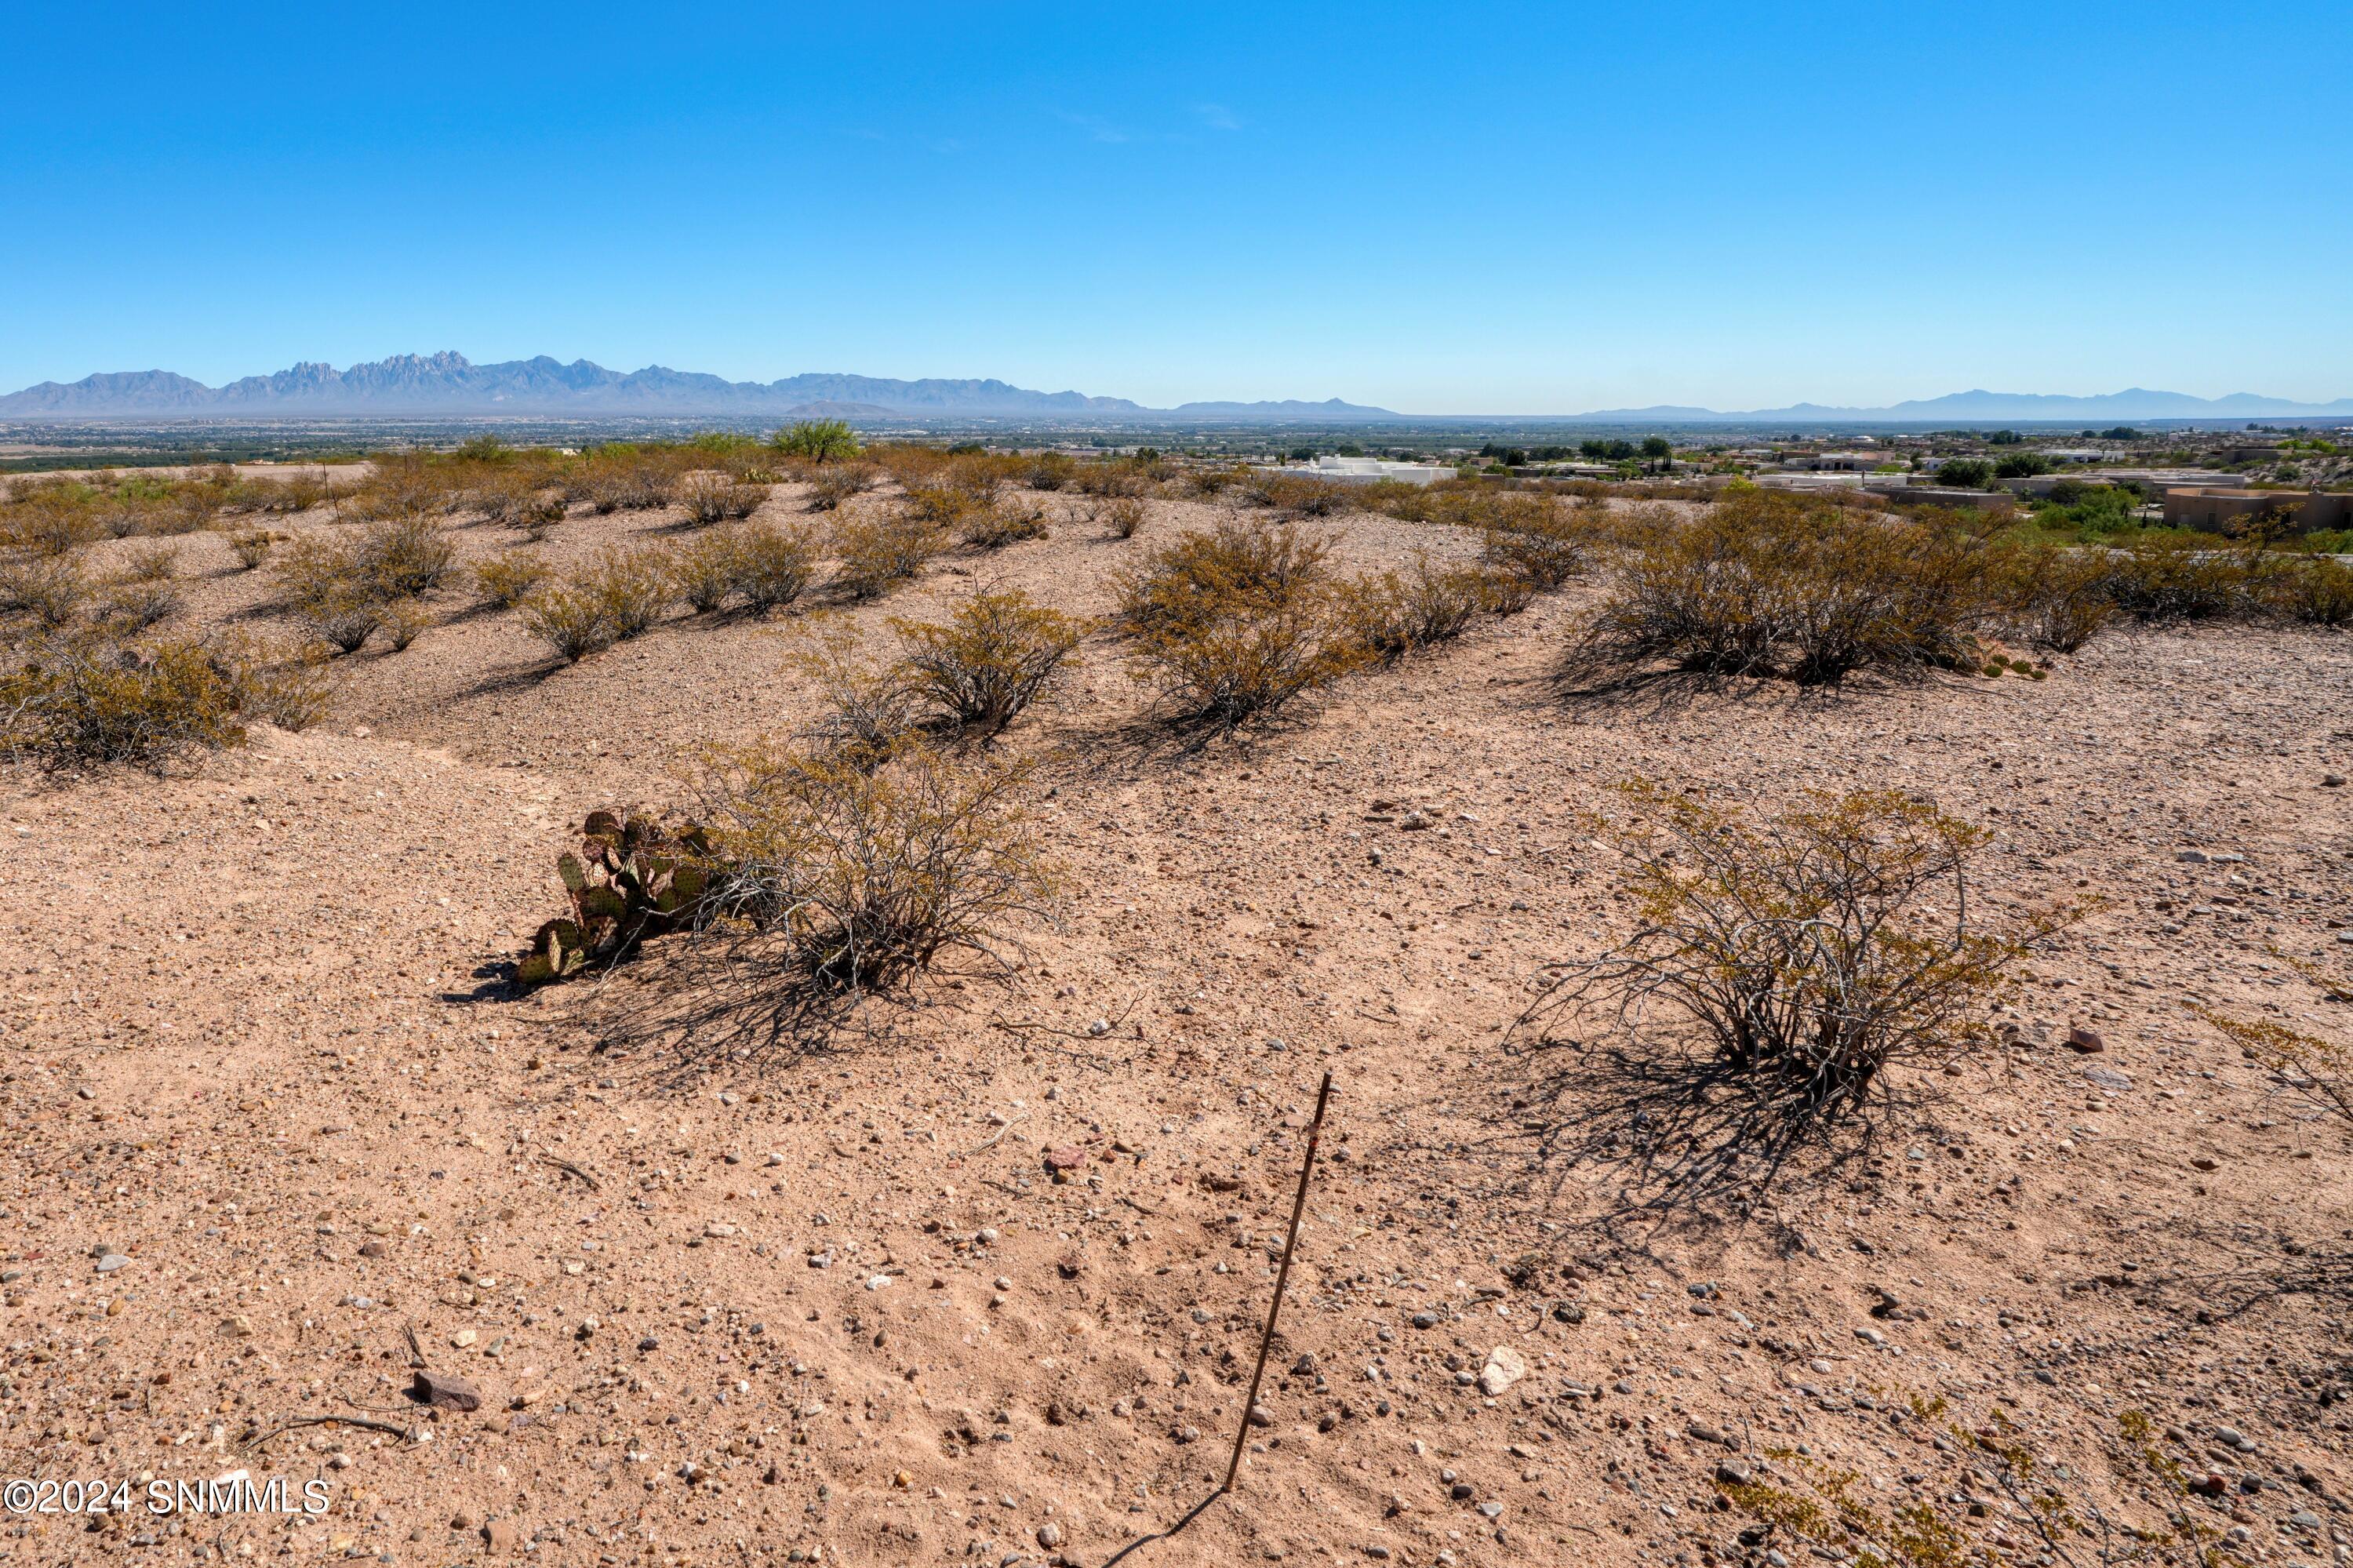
<point x="1968" y="473"/>
<point x="818" y="440"/>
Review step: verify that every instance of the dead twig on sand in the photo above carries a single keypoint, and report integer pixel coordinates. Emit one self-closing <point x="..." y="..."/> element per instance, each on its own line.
<point x="403" y="1433"/>
<point x="992" y="1139"/>
<point x="1025" y="1029"/>
<point x="571" y="1169"/>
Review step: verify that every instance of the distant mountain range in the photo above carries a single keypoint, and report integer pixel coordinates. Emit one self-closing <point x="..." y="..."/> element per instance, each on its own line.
<point x="1981" y="407"/>
<point x="449" y="385"/>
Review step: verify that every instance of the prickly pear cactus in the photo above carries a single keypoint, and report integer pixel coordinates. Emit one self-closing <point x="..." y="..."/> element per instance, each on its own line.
<point x="631" y="879"/>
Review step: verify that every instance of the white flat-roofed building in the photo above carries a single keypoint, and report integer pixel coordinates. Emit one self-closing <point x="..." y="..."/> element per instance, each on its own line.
<point x="1365" y="470"/>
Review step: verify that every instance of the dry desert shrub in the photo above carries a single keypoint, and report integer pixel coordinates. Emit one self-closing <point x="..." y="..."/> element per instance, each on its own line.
<point x="836" y="483"/>
<point x="2311" y="589"/>
<point x="156" y="563"/>
<point x="1795" y="960"/>
<point x="1208" y="483"/>
<point x="619" y="595"/>
<point x="1765" y="583"/>
<point x="622" y="478"/>
<point x="289" y="689"/>
<point x="1119" y="516"/>
<point x="816" y="887"/>
<point x="1233" y="622"/>
<point x="912" y="465"/>
<point x="1296" y="495"/>
<point x="51" y="589"/>
<point x="2168" y="578"/>
<point x="985" y="664"/>
<point x="403" y="621"/>
<point x="343" y="622"/>
<point x="400" y="486"/>
<point x="1111" y="477"/>
<point x="874" y="554"/>
<point x="773" y="565"/>
<point x="997" y="522"/>
<point x="1392" y="613"/>
<point x="1230" y="668"/>
<point x="252" y="546"/>
<point x="1548" y="545"/>
<point x="133" y="603"/>
<point x="865" y="708"/>
<point x="769" y="566"/>
<point x="2058" y="598"/>
<point x="570" y="618"/>
<point x="1209" y="572"/>
<point x="2313" y="1067"/>
<point x="1049" y="472"/>
<point x="296" y="492"/>
<point x="49" y="520"/>
<point x="92" y="698"/>
<point x="343" y="586"/>
<point x="711" y="498"/>
<point x="632" y="588"/>
<point x="703" y="571"/>
<point x="863" y="877"/>
<point x="400" y="557"/>
<point x="508" y="579"/>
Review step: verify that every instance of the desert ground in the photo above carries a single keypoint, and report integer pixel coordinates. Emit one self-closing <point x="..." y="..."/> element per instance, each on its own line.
<point x="281" y="1129"/>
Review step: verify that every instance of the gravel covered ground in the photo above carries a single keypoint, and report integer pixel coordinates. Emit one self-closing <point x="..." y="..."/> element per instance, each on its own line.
<point x="272" y="1110"/>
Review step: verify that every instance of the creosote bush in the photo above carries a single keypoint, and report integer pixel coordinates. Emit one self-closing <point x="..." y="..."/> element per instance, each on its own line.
<point x="1548" y="545"/>
<point x="93" y="697"/>
<point x="827" y="883"/>
<point x="133" y="603"/>
<point x="865" y="707"/>
<point x="508" y="579"/>
<point x="1392" y="613"/>
<point x="251" y="548"/>
<point x="1766" y="583"/>
<point x="50" y="588"/>
<point x="773" y="565"/>
<point x="403" y="621"/>
<point x="2058" y="598"/>
<point x="712" y="498"/>
<point x="874" y="554"/>
<point x="836" y="483"/>
<point x="1232" y="623"/>
<point x="991" y="658"/>
<point x="862" y="878"/>
<point x="622" y="595"/>
<point x="393" y="559"/>
<point x="993" y="524"/>
<point x="2168" y="578"/>
<point x="1802" y="957"/>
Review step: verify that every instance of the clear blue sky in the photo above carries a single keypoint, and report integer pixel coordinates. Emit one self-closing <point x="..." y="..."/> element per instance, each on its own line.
<point x="1458" y="208"/>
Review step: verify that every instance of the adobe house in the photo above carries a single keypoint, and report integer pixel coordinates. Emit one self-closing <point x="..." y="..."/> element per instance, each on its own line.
<point x="2216" y="511"/>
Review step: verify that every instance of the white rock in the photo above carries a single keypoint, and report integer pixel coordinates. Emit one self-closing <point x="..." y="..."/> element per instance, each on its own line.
<point x="1505" y="1367"/>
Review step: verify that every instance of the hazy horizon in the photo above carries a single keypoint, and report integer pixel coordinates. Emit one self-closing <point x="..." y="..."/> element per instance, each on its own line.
<point x="1487" y="211"/>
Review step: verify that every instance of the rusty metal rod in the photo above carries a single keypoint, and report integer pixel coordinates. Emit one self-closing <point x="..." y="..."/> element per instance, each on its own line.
<point x="1281" y="1276"/>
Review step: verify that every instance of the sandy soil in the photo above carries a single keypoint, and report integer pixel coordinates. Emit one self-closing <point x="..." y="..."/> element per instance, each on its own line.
<point x="256" y="1045"/>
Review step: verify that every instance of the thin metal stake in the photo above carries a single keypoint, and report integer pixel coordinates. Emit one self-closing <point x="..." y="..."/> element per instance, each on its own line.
<point x="1281" y="1275"/>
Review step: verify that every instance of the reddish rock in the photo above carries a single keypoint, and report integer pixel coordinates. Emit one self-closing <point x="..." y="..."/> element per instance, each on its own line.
<point x="2085" y="1041"/>
<point x="444" y="1392"/>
